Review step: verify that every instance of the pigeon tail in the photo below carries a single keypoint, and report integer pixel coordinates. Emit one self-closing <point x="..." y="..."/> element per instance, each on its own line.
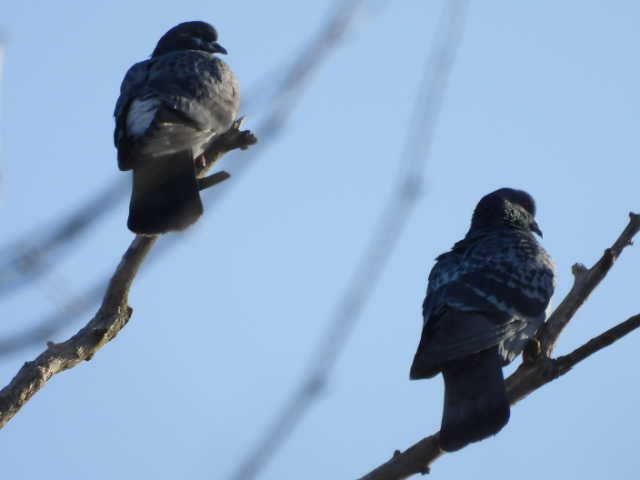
<point x="165" y="194"/>
<point x="475" y="399"/>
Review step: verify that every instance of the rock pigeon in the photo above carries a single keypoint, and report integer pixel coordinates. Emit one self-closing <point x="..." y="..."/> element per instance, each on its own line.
<point x="170" y="108"/>
<point x="485" y="299"/>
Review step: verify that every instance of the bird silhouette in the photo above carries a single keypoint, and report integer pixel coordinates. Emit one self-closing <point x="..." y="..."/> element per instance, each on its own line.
<point x="170" y="108"/>
<point x="485" y="299"/>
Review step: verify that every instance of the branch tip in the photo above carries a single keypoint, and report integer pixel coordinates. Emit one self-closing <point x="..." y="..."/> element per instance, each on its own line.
<point x="211" y="180"/>
<point x="579" y="270"/>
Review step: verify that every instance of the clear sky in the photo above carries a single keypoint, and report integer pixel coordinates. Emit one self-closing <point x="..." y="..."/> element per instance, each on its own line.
<point x="544" y="96"/>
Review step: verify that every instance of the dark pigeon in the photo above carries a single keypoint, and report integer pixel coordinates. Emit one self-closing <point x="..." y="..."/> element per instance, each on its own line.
<point x="169" y="110"/>
<point x="486" y="297"/>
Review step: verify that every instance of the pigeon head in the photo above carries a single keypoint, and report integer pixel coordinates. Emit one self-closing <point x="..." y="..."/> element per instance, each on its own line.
<point x="506" y="208"/>
<point x="190" y="36"/>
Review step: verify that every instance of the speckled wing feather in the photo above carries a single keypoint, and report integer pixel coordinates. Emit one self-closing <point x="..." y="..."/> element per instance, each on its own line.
<point x="193" y="96"/>
<point x="197" y="85"/>
<point x="500" y="282"/>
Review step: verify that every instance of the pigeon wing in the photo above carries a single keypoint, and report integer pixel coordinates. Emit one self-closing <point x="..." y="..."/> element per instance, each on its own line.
<point x="185" y="99"/>
<point x="133" y="86"/>
<point x="484" y="295"/>
<point x="197" y="86"/>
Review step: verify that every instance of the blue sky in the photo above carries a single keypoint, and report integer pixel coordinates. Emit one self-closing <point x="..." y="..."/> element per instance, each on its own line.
<point x="543" y="97"/>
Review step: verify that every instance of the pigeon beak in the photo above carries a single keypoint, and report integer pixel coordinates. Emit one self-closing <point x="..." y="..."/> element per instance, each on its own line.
<point x="215" y="47"/>
<point x="535" y="228"/>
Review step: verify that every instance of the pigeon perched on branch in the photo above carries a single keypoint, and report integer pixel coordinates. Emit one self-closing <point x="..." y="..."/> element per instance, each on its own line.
<point x="170" y="108"/>
<point x="485" y="299"/>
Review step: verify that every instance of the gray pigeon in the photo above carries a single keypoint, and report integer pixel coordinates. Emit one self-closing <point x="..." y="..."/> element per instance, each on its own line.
<point x="169" y="110"/>
<point x="486" y="297"/>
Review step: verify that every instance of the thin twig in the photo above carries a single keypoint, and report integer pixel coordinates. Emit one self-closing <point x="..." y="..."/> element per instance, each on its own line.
<point x="381" y="243"/>
<point x="585" y="281"/>
<point x="566" y="362"/>
<point x="47" y="327"/>
<point x="535" y="372"/>
<point x="232" y="139"/>
<point x="213" y="179"/>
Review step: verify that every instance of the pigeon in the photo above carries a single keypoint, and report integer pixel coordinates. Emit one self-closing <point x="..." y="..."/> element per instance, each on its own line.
<point x="485" y="299"/>
<point x="170" y="108"/>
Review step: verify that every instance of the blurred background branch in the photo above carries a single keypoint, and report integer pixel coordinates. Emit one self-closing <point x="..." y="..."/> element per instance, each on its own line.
<point x="26" y="259"/>
<point x="380" y="245"/>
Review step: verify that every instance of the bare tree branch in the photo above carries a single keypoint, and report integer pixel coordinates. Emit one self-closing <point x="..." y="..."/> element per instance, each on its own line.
<point x="584" y="283"/>
<point x="113" y="314"/>
<point x="48" y="326"/>
<point x="232" y="139"/>
<point x="211" y="180"/>
<point x="566" y="362"/>
<point x="537" y="369"/>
